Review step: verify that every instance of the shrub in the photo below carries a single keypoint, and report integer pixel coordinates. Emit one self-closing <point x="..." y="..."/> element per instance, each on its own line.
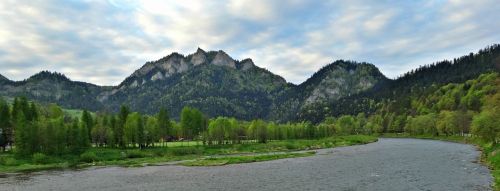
<point x="158" y="153"/>
<point x="135" y="154"/>
<point x="40" y="158"/>
<point x="10" y="162"/>
<point x="88" y="157"/>
<point x="291" y="146"/>
<point x="180" y="151"/>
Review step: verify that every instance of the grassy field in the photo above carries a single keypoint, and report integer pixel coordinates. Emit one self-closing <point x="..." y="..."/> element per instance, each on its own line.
<point x="218" y="161"/>
<point x="174" y="152"/>
<point x="490" y="153"/>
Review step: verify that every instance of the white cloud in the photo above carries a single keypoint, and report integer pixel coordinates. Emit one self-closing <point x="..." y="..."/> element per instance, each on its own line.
<point x="104" y="41"/>
<point x="255" y="10"/>
<point x="377" y="22"/>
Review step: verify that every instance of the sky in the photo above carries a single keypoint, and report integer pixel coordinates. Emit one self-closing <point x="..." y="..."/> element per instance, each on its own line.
<point x="104" y="41"/>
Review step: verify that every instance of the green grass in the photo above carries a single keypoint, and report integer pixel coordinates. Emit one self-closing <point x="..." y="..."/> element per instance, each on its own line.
<point x="174" y="152"/>
<point x="490" y="153"/>
<point x="219" y="161"/>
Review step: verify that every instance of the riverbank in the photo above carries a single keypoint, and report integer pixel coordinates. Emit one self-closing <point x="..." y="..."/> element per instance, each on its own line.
<point x="163" y="155"/>
<point x="490" y="154"/>
<point x="388" y="164"/>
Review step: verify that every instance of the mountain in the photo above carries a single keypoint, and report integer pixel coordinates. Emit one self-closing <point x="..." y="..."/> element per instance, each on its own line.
<point x="210" y="81"/>
<point x="332" y="82"/>
<point x="415" y="83"/>
<point x="55" y="87"/>
<point x="219" y="85"/>
<point x="340" y="79"/>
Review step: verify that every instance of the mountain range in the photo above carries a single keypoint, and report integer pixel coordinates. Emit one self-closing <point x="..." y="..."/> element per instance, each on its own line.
<point x="219" y="85"/>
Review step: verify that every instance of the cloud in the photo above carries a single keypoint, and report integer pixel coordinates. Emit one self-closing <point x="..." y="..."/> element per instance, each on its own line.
<point x="102" y="42"/>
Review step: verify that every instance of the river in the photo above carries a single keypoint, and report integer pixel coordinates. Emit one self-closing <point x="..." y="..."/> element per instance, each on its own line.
<point x="389" y="164"/>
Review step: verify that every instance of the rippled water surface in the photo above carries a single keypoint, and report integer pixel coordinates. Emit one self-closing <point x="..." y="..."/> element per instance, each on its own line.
<point x="389" y="164"/>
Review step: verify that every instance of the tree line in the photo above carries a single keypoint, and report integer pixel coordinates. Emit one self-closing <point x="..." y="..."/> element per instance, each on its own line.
<point x="29" y="128"/>
<point x="415" y="83"/>
<point x="467" y="109"/>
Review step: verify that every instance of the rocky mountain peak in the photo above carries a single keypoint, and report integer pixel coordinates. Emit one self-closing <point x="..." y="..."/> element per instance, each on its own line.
<point x="199" y="57"/>
<point x="222" y="59"/>
<point x="246" y="64"/>
<point x="199" y="50"/>
<point x="176" y="63"/>
<point x="341" y="78"/>
<point x="3" y="78"/>
<point x="47" y="75"/>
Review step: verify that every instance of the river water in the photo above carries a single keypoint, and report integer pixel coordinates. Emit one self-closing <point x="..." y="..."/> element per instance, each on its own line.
<point x="389" y="164"/>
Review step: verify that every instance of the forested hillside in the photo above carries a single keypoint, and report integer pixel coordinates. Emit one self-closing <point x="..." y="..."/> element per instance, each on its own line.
<point x="418" y="82"/>
<point x="211" y="81"/>
<point x="218" y="85"/>
<point x="332" y="82"/>
<point x="53" y="87"/>
<point x="217" y="91"/>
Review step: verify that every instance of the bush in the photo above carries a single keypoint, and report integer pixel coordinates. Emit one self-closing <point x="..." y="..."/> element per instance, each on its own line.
<point x="158" y="153"/>
<point x="88" y="157"/>
<point x="180" y="151"/>
<point x="291" y="146"/>
<point x="135" y="154"/>
<point x="40" y="158"/>
<point x="10" y="162"/>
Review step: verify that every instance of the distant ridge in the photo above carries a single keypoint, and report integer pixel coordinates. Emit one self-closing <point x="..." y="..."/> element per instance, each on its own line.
<point x="219" y="85"/>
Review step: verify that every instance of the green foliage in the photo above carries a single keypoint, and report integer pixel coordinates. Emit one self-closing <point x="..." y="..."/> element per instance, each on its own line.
<point x="346" y="125"/>
<point x="410" y="93"/>
<point x="218" y="161"/>
<point x="120" y="126"/>
<point x="192" y="122"/>
<point x="88" y="157"/>
<point x="5" y="125"/>
<point x="181" y="151"/>
<point x="135" y="154"/>
<point x="447" y="123"/>
<point x="164" y="124"/>
<point x="131" y="130"/>
<point x="486" y="125"/>
<point x="153" y="132"/>
<point x="258" y="131"/>
<point x="219" y="130"/>
<point x="87" y="122"/>
<point x="40" y="158"/>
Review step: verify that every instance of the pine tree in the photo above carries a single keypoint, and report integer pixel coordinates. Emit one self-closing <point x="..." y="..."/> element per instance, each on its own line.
<point x="164" y="124"/>
<point x="131" y="129"/>
<point x="122" y="119"/>
<point x="5" y="125"/>
<point x="88" y="122"/>
<point x="141" y="139"/>
<point x="22" y="134"/>
<point x="73" y="137"/>
<point x="83" y="138"/>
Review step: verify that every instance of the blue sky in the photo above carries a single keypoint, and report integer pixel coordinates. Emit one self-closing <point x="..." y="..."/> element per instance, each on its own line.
<point x="103" y="42"/>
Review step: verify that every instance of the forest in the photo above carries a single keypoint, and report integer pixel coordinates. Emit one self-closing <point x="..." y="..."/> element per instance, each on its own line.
<point x="419" y="82"/>
<point x="465" y="109"/>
